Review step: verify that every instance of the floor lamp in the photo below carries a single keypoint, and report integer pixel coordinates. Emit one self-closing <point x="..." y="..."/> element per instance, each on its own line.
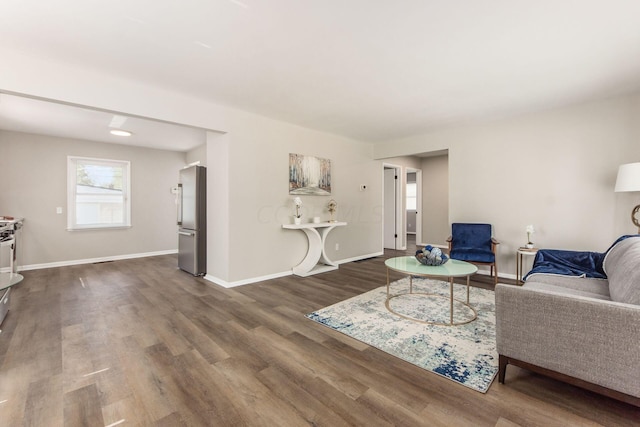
<point x="629" y="180"/>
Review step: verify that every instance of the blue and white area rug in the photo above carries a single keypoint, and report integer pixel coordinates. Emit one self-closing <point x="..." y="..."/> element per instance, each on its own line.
<point x="465" y="354"/>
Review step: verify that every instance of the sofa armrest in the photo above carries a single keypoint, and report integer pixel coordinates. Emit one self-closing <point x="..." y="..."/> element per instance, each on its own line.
<point x="590" y="339"/>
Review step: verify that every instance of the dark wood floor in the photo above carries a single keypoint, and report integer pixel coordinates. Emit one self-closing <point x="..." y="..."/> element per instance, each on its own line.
<point x="138" y="342"/>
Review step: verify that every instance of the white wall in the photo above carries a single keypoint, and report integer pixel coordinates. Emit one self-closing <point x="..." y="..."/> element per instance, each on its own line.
<point x="218" y="207"/>
<point x="553" y="169"/>
<point x="198" y="154"/>
<point x="260" y="203"/>
<point x="33" y="171"/>
<point x="435" y="200"/>
<point x="247" y="161"/>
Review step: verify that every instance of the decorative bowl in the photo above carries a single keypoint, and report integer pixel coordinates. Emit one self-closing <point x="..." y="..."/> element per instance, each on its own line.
<point x="431" y="256"/>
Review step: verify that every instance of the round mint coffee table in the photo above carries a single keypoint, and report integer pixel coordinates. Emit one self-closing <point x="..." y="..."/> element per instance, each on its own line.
<point x="452" y="268"/>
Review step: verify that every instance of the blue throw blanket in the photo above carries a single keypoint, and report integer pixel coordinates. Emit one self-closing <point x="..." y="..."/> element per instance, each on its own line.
<point x="572" y="263"/>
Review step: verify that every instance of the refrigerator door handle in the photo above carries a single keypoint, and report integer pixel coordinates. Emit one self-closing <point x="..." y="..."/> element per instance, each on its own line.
<point x="185" y="233"/>
<point x="179" y="204"/>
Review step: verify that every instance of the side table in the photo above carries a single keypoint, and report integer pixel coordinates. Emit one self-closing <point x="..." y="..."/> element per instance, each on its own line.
<point x="520" y="254"/>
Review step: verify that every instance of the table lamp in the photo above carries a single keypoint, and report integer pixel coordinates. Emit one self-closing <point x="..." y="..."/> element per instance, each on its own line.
<point x="629" y="180"/>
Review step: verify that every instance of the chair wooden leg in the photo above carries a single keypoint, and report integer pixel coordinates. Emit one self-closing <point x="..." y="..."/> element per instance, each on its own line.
<point x="495" y="267"/>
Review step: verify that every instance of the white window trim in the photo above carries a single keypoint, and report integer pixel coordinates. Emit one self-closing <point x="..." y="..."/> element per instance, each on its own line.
<point x="71" y="193"/>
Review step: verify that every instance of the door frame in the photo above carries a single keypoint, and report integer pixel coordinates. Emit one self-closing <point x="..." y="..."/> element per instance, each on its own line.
<point x="418" y="173"/>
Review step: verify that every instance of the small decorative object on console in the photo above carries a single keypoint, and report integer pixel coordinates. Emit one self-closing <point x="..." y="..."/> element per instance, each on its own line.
<point x="332" y="207"/>
<point x="431" y="256"/>
<point x="530" y="230"/>
<point x="297" y="202"/>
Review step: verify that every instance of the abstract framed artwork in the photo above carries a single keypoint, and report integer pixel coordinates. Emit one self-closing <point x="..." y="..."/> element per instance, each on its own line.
<point x="309" y="175"/>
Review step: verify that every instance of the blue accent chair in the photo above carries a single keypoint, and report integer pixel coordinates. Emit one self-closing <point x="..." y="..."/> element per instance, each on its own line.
<point x="475" y="244"/>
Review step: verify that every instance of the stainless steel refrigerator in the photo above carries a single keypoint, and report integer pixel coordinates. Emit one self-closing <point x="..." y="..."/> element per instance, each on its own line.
<point x="192" y="220"/>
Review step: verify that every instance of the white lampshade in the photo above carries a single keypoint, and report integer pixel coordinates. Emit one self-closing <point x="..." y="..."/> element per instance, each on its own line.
<point x="628" y="177"/>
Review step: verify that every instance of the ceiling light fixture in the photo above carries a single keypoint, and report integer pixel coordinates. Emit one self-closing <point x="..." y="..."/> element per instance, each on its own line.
<point x="120" y="132"/>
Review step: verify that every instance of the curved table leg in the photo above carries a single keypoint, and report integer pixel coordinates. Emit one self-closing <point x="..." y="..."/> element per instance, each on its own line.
<point x="313" y="253"/>
<point x="324" y="259"/>
<point x="316" y="253"/>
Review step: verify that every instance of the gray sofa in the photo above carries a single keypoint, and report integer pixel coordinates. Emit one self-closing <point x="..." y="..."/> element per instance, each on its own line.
<point x="579" y="328"/>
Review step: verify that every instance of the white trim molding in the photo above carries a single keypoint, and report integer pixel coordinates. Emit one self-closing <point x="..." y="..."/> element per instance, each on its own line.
<point x="94" y="260"/>
<point x="225" y="284"/>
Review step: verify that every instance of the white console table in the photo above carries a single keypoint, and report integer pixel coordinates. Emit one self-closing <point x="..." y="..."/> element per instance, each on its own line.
<point x="316" y="260"/>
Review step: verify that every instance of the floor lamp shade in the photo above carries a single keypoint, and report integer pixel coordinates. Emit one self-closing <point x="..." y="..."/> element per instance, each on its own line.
<point x="629" y="180"/>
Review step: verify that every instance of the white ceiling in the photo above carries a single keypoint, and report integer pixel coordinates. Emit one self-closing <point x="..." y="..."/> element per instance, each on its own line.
<point x="21" y="114"/>
<point x="370" y="69"/>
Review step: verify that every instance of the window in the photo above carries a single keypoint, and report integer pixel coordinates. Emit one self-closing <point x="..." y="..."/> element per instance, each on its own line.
<point x="412" y="195"/>
<point x="98" y="193"/>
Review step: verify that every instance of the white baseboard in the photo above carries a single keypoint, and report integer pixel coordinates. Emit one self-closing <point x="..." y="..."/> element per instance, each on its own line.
<point x="434" y="245"/>
<point x="360" y="257"/>
<point x="225" y="284"/>
<point x="500" y="275"/>
<point x="93" y="260"/>
<point x="220" y="282"/>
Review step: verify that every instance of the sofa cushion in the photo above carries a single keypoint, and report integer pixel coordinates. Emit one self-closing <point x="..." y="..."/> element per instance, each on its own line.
<point x="622" y="266"/>
<point x="599" y="287"/>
